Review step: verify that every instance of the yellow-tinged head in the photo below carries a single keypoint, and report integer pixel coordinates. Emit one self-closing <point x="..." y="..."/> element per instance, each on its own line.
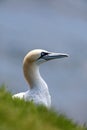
<point x="39" y="56"/>
<point x="33" y="59"/>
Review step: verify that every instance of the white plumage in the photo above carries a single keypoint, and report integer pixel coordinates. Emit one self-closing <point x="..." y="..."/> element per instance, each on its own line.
<point x="38" y="91"/>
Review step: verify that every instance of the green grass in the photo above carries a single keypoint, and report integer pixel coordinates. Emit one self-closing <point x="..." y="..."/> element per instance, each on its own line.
<point x="20" y="115"/>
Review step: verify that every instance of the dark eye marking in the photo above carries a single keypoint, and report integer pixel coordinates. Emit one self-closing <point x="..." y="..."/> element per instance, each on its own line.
<point x="43" y="54"/>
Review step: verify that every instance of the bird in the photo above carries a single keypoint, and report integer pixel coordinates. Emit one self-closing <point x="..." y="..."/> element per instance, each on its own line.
<point x="38" y="91"/>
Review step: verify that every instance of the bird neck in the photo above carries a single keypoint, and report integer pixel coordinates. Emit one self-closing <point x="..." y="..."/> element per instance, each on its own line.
<point x="33" y="77"/>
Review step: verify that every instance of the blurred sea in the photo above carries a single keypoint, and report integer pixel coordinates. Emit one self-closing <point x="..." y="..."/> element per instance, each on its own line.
<point x="58" y="26"/>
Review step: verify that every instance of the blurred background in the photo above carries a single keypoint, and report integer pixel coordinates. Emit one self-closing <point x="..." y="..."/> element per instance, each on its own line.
<point x="54" y="25"/>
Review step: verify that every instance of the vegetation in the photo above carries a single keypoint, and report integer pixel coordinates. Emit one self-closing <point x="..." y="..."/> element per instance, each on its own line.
<point x="20" y="115"/>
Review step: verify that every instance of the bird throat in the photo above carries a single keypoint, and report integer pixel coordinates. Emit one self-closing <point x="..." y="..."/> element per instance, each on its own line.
<point x="32" y="75"/>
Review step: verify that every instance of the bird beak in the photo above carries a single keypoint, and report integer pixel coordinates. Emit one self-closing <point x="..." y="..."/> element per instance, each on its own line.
<point x="52" y="56"/>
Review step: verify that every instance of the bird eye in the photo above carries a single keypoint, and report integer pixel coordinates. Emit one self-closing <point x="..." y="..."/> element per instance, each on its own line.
<point x="43" y="54"/>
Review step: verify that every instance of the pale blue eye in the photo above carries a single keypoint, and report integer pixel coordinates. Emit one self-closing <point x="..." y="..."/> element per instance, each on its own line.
<point x="43" y="54"/>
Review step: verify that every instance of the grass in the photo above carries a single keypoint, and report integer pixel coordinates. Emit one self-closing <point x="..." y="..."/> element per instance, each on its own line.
<point x="20" y="115"/>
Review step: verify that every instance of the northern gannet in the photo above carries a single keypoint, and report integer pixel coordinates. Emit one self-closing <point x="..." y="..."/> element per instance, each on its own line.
<point x="38" y="91"/>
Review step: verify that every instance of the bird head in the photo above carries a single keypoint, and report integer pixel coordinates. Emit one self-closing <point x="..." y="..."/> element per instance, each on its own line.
<point x="39" y="56"/>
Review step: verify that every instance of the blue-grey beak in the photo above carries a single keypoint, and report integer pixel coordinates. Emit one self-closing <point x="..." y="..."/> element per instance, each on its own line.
<point x="51" y="56"/>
